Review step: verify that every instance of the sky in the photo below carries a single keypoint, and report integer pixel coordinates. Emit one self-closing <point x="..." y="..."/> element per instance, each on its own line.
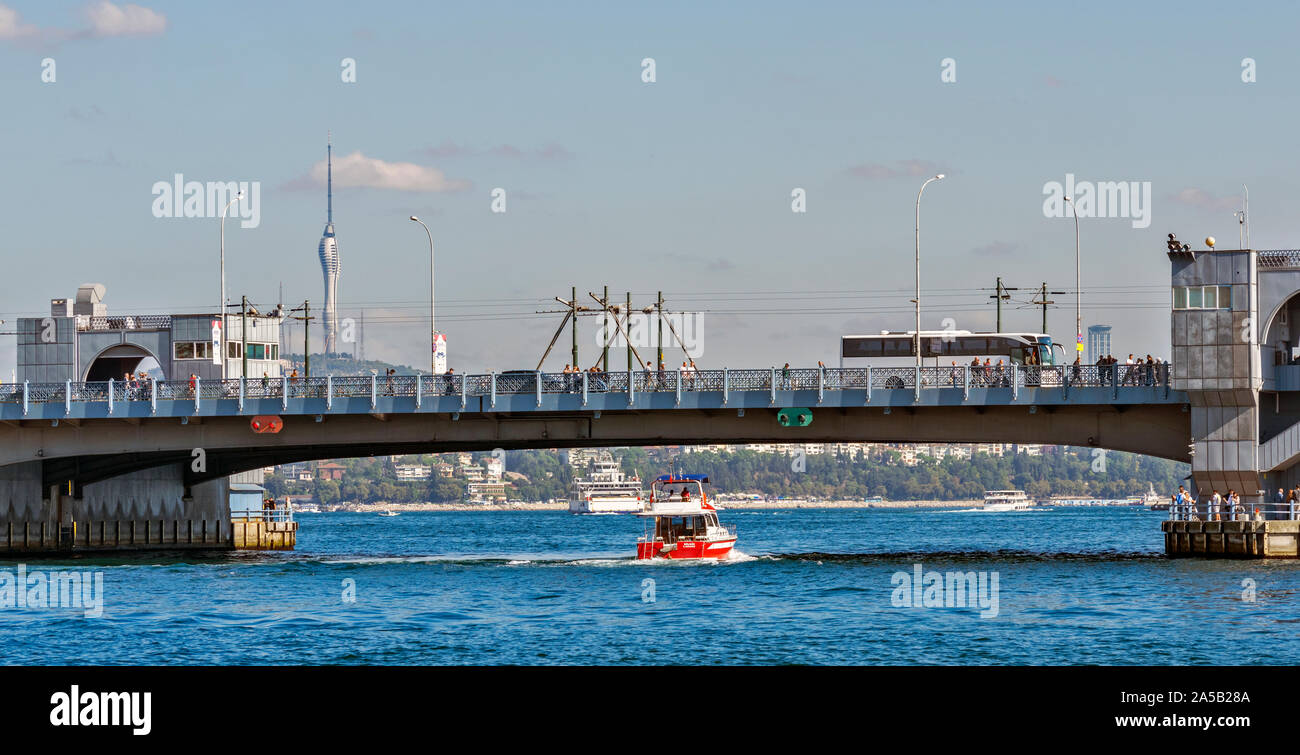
<point x="685" y="184"/>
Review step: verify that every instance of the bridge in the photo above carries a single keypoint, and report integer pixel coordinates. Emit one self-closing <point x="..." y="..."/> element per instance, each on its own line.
<point x="81" y="431"/>
<point x="152" y="452"/>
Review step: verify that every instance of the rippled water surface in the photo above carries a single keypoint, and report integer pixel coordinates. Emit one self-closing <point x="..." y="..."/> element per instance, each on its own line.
<point x="807" y="586"/>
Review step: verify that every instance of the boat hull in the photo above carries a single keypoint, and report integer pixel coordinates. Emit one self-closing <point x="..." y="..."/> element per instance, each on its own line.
<point x="607" y="506"/>
<point x="696" y="549"/>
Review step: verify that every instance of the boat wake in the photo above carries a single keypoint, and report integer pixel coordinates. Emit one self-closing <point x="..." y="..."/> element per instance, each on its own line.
<point x="1012" y="556"/>
<point x="987" y="511"/>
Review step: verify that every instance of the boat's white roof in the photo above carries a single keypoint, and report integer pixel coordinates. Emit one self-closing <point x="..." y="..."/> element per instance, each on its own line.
<point x="674" y="508"/>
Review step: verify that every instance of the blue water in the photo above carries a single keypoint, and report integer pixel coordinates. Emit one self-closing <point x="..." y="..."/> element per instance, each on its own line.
<point x="809" y="586"/>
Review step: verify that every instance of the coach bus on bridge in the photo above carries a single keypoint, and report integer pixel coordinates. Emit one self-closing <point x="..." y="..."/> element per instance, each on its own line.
<point x="1016" y="348"/>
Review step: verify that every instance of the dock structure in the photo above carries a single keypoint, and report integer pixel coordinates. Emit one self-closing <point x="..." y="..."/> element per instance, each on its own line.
<point x="1232" y="539"/>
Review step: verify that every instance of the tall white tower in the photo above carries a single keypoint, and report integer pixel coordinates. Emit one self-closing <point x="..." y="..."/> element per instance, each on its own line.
<point x="329" y="257"/>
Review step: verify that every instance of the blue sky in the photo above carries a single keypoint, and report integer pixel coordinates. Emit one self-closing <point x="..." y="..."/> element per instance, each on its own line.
<point x="681" y="185"/>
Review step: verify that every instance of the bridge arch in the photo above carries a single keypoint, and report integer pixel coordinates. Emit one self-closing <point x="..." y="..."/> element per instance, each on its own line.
<point x="117" y="360"/>
<point x="1278" y="310"/>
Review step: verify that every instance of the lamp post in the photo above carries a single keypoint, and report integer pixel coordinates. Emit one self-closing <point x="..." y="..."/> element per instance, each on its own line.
<point x="433" y="331"/>
<point x="1078" y="289"/>
<point x="222" y="346"/>
<point x="917" y="338"/>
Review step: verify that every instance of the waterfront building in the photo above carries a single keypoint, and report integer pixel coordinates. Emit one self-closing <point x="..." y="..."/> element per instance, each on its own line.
<point x="412" y="472"/>
<point x="330" y="471"/>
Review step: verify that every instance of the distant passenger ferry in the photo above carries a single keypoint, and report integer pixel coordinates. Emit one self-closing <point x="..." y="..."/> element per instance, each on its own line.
<point x="1006" y="500"/>
<point x="605" y="489"/>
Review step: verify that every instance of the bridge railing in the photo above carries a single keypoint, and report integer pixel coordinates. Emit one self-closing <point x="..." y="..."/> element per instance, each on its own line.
<point x="1205" y="511"/>
<point x="349" y="387"/>
<point x="279" y="514"/>
<point x="643" y="381"/>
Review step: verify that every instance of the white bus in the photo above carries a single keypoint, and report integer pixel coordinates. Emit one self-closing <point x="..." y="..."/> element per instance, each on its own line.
<point x="946" y="346"/>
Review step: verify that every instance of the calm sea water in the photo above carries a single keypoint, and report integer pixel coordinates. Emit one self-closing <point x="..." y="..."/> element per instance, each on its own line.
<point x="808" y="586"/>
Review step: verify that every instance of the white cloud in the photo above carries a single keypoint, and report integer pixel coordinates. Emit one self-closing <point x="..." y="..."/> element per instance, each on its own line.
<point x="900" y="168"/>
<point x="130" y="20"/>
<point x="11" y="27"/>
<point x="358" y="170"/>
<point x="1202" y="199"/>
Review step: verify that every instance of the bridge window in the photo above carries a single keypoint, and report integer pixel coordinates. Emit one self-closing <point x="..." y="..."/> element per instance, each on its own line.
<point x="269" y="351"/>
<point x="1203" y="297"/>
<point x="192" y="350"/>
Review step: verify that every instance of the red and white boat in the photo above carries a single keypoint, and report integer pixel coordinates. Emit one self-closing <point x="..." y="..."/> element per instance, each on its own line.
<point x="681" y="522"/>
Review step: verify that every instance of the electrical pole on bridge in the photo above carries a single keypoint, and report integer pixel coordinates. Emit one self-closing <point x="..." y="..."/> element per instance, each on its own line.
<point x="1000" y="295"/>
<point x="1044" y="301"/>
<point x="305" y="319"/>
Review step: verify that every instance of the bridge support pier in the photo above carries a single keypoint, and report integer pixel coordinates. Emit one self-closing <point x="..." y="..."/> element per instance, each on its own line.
<point x="151" y="509"/>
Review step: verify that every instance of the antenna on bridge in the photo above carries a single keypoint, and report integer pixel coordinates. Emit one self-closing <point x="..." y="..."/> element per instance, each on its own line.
<point x="1243" y="228"/>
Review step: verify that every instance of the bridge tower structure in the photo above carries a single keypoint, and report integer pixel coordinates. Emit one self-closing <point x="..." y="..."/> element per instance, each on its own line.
<point x="1237" y="359"/>
<point x="81" y="342"/>
<point x="1216" y="361"/>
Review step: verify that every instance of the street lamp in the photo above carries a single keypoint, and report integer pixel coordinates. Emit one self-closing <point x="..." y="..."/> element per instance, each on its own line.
<point x="917" y="338"/>
<point x="433" y="331"/>
<point x="238" y="196"/>
<point x="1078" y="289"/>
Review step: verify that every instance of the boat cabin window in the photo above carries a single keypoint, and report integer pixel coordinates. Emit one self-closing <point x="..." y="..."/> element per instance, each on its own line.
<point x="671" y="528"/>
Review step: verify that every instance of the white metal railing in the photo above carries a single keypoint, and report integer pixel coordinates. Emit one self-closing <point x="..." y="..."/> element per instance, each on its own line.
<point x="277" y="514"/>
<point x="962" y="377"/>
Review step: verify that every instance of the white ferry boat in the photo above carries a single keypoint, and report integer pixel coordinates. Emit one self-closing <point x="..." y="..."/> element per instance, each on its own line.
<point x="1006" y="500"/>
<point x="605" y="489"/>
<point x="302" y="508"/>
<point x="1153" y="500"/>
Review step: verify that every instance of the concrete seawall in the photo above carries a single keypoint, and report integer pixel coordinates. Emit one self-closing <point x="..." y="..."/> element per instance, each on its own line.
<point x="1254" y="539"/>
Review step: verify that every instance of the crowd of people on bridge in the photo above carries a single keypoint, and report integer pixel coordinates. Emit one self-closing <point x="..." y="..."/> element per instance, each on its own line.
<point x="136" y="387"/>
<point x="653" y="380"/>
<point x="1149" y="371"/>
